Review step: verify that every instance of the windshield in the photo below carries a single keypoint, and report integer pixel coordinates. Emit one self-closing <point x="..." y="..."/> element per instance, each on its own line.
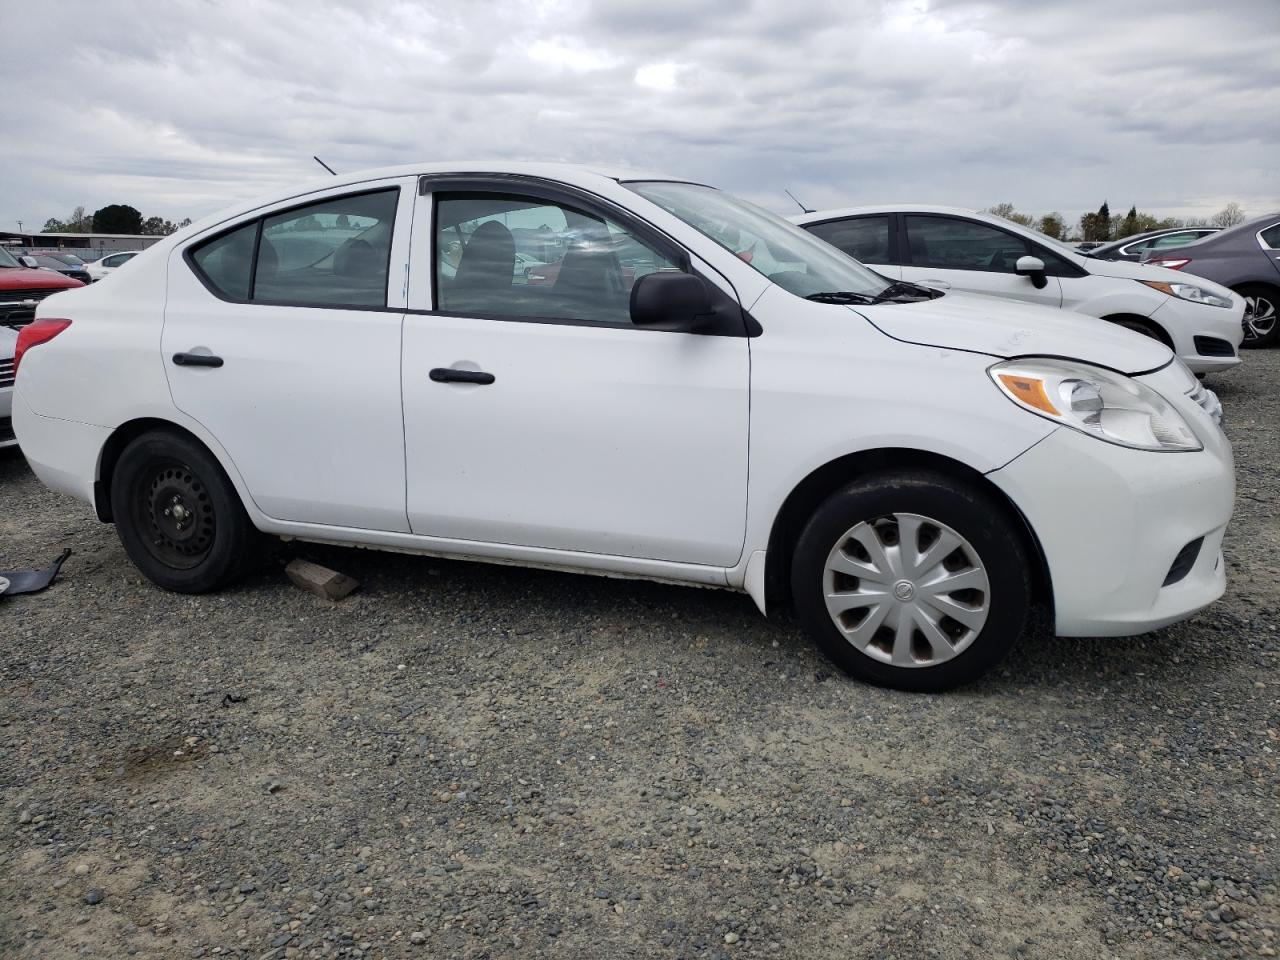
<point x="792" y="258"/>
<point x="6" y="259"/>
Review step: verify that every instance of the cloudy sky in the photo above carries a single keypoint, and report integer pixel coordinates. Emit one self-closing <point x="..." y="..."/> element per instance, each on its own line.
<point x="182" y="106"/>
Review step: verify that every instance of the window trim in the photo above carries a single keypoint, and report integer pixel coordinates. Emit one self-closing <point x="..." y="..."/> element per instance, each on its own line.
<point x="1150" y="241"/>
<point x="189" y="252"/>
<point x="891" y="225"/>
<point x="1036" y="249"/>
<point x="538" y="188"/>
<point x="1262" y="243"/>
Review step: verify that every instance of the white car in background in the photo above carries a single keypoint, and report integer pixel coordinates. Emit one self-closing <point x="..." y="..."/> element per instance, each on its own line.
<point x="737" y="405"/>
<point x="110" y="263"/>
<point x="953" y="249"/>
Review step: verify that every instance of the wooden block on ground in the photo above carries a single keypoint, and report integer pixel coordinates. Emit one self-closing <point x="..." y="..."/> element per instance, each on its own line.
<point x="319" y="580"/>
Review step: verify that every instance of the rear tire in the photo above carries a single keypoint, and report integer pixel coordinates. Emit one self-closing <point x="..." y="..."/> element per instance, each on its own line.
<point x="1261" y="321"/>
<point x="950" y="565"/>
<point x="179" y="516"/>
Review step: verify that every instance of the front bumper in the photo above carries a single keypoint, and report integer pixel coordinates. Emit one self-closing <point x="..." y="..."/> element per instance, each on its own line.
<point x="1112" y="521"/>
<point x="1201" y="334"/>
<point x="7" y="438"/>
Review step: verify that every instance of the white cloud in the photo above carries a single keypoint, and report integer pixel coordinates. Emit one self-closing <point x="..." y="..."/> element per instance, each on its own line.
<point x="180" y="108"/>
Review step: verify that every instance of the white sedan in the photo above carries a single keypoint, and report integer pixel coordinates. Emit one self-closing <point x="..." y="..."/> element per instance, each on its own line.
<point x="109" y="264"/>
<point x="954" y="249"/>
<point x="739" y="406"/>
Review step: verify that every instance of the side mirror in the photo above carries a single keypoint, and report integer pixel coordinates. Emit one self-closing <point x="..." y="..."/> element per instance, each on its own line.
<point x="669" y="301"/>
<point x="1032" y="267"/>
<point x="29" y="262"/>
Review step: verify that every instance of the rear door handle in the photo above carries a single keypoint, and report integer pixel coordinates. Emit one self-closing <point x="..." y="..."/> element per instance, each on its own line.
<point x="453" y="375"/>
<point x="196" y="360"/>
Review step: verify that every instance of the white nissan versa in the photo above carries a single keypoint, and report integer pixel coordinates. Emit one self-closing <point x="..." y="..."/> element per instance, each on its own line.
<point x="692" y="390"/>
<point x="954" y="249"/>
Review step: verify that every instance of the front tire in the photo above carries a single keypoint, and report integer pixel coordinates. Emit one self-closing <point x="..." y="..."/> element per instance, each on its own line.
<point x="912" y="580"/>
<point x="178" y="516"/>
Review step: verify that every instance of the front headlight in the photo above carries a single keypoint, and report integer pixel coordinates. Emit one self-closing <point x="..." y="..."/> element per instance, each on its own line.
<point x="1188" y="291"/>
<point x="1103" y="404"/>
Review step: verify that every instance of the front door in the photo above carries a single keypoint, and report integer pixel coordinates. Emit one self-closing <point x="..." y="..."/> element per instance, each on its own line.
<point x="282" y="337"/>
<point x="954" y="253"/>
<point x="536" y="414"/>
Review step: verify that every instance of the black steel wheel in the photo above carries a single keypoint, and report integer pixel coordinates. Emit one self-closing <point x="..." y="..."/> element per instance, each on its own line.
<point x="178" y="515"/>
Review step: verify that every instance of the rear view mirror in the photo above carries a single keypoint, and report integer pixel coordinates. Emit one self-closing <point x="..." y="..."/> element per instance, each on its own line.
<point x="666" y="300"/>
<point x="1032" y="267"/>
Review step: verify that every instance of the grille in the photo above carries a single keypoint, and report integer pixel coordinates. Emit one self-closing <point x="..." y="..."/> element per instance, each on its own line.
<point x="1213" y="347"/>
<point x="1183" y="562"/>
<point x="6" y="373"/>
<point x="6" y="430"/>
<point x="14" y="312"/>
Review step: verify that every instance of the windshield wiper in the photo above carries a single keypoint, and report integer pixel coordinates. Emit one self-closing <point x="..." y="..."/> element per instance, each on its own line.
<point x="840" y="296"/>
<point x="903" y="291"/>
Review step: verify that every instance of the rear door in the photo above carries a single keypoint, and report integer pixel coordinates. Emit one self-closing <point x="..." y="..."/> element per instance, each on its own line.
<point x="282" y="337"/>
<point x="867" y="238"/>
<point x="955" y="253"/>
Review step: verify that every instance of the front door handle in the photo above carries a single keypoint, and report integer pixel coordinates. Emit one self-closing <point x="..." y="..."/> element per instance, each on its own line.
<point x="454" y="375"/>
<point x="196" y="360"/>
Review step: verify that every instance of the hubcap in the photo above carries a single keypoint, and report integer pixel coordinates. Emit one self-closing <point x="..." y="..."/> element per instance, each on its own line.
<point x="1259" y="318"/>
<point x="906" y="590"/>
<point x="175" y="514"/>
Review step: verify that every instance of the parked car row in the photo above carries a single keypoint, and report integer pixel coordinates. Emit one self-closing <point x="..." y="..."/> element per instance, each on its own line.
<point x="21" y="288"/>
<point x="948" y="248"/>
<point x="70" y="265"/>
<point x="700" y="391"/>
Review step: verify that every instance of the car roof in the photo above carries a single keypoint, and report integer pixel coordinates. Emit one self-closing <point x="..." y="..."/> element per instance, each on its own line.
<point x="840" y="212"/>
<point x="575" y="174"/>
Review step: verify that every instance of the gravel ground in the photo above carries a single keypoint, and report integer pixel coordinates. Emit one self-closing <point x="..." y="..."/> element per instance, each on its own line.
<point x="463" y="760"/>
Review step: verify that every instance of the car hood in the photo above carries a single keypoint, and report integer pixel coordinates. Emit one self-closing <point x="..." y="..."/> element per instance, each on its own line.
<point x="25" y="278"/>
<point x="1129" y="270"/>
<point x="1001" y="328"/>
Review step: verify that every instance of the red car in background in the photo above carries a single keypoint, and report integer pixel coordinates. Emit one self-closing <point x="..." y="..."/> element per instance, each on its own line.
<point x="21" y="288"/>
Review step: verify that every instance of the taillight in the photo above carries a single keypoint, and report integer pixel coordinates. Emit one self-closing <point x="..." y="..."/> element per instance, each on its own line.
<point x="1171" y="264"/>
<point x="34" y="334"/>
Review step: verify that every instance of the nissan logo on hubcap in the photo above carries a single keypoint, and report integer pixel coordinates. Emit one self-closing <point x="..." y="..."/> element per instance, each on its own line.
<point x="904" y="590"/>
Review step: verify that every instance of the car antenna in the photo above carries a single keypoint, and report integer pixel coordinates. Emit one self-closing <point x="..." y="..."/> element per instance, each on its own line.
<point x="323" y="164"/>
<point x="802" y="207"/>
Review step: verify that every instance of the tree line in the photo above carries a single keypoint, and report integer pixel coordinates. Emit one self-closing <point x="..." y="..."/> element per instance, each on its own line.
<point x="114" y="218"/>
<point x="1101" y="226"/>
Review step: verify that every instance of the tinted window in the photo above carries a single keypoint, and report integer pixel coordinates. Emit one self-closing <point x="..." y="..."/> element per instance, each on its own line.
<point x="226" y="261"/>
<point x="1271" y="236"/>
<point x="513" y="256"/>
<point x="950" y="244"/>
<point x="333" y="253"/>
<point x="1174" y="240"/>
<point x="863" y="238"/>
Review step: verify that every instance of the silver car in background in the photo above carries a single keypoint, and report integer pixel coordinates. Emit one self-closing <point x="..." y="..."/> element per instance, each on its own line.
<point x="1245" y="258"/>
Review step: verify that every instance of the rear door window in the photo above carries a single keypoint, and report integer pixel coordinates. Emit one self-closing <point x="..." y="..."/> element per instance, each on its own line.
<point x="334" y="253"/>
<point x="863" y="238"/>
